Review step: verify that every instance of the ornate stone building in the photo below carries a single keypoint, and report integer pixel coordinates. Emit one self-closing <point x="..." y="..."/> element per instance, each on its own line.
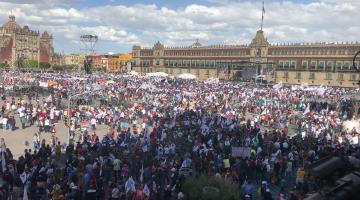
<point x="22" y="43"/>
<point x="312" y="63"/>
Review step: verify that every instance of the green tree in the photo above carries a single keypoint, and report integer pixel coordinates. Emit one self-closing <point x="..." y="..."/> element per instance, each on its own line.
<point x="2" y="65"/>
<point x="45" y="65"/>
<point x="70" y="67"/>
<point x="31" y="63"/>
<point x="19" y="63"/>
<point x="58" y="68"/>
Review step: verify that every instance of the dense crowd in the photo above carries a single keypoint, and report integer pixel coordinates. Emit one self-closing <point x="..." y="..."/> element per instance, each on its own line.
<point x="163" y="130"/>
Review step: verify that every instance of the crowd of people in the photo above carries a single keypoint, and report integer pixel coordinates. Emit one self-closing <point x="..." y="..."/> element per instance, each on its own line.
<point x="163" y="130"/>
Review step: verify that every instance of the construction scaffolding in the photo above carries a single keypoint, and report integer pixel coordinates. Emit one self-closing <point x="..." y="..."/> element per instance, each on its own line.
<point x="88" y="47"/>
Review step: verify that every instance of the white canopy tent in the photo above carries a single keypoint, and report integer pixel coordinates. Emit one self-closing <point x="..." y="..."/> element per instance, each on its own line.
<point x="156" y="74"/>
<point x="187" y="76"/>
<point x="260" y="77"/>
<point x="134" y="73"/>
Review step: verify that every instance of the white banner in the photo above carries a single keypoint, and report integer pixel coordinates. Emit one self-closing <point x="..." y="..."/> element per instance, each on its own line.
<point x="43" y="84"/>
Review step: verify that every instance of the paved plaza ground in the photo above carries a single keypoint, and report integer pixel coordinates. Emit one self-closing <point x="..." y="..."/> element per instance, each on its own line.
<point x="15" y="140"/>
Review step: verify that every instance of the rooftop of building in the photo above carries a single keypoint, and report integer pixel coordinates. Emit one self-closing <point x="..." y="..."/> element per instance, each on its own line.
<point x="12" y="26"/>
<point x="257" y="41"/>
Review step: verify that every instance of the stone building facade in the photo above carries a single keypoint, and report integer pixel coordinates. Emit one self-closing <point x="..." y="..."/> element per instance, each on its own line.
<point x="58" y="59"/>
<point x="110" y="62"/>
<point x="312" y="63"/>
<point x="22" y="43"/>
<point x="75" y="59"/>
<point x="124" y="61"/>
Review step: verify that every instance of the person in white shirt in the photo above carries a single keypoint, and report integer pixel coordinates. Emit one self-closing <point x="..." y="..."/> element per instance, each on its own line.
<point x="5" y="123"/>
<point x="22" y="118"/>
<point x="57" y="113"/>
<point x="36" y="141"/>
<point x="47" y="125"/>
<point x="93" y="123"/>
<point x="52" y="117"/>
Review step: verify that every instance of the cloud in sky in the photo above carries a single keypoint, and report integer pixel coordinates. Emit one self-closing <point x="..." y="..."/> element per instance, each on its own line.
<point x="64" y="2"/>
<point x="119" y="25"/>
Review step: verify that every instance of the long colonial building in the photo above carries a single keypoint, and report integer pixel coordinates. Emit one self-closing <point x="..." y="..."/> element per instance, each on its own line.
<point x="22" y="43"/>
<point x="313" y="63"/>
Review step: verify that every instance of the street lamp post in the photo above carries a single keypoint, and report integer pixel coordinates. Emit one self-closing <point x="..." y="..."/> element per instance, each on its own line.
<point x="354" y="64"/>
<point x="357" y="67"/>
<point x="354" y="61"/>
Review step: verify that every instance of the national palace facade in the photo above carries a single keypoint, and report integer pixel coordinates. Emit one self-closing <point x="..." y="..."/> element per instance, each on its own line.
<point x="313" y="63"/>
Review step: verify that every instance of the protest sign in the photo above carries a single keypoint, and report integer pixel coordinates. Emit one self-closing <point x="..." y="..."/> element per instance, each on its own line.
<point x="243" y="152"/>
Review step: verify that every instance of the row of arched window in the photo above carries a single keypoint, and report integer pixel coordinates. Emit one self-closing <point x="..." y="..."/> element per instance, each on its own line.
<point x="300" y="51"/>
<point x="207" y="53"/>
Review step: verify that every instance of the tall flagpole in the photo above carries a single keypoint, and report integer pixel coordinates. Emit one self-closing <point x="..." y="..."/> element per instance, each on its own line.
<point x="262" y="15"/>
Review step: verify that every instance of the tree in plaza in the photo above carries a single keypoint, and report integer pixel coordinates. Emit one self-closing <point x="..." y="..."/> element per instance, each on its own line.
<point x="70" y="67"/>
<point x="58" y="68"/>
<point x="19" y="63"/>
<point x="99" y="69"/>
<point x="45" y="65"/>
<point x="31" y="63"/>
<point x="64" y="67"/>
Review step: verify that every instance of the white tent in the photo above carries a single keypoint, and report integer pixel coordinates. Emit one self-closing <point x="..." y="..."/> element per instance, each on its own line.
<point x="260" y="77"/>
<point x="187" y="76"/>
<point x="134" y="73"/>
<point x="156" y="74"/>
